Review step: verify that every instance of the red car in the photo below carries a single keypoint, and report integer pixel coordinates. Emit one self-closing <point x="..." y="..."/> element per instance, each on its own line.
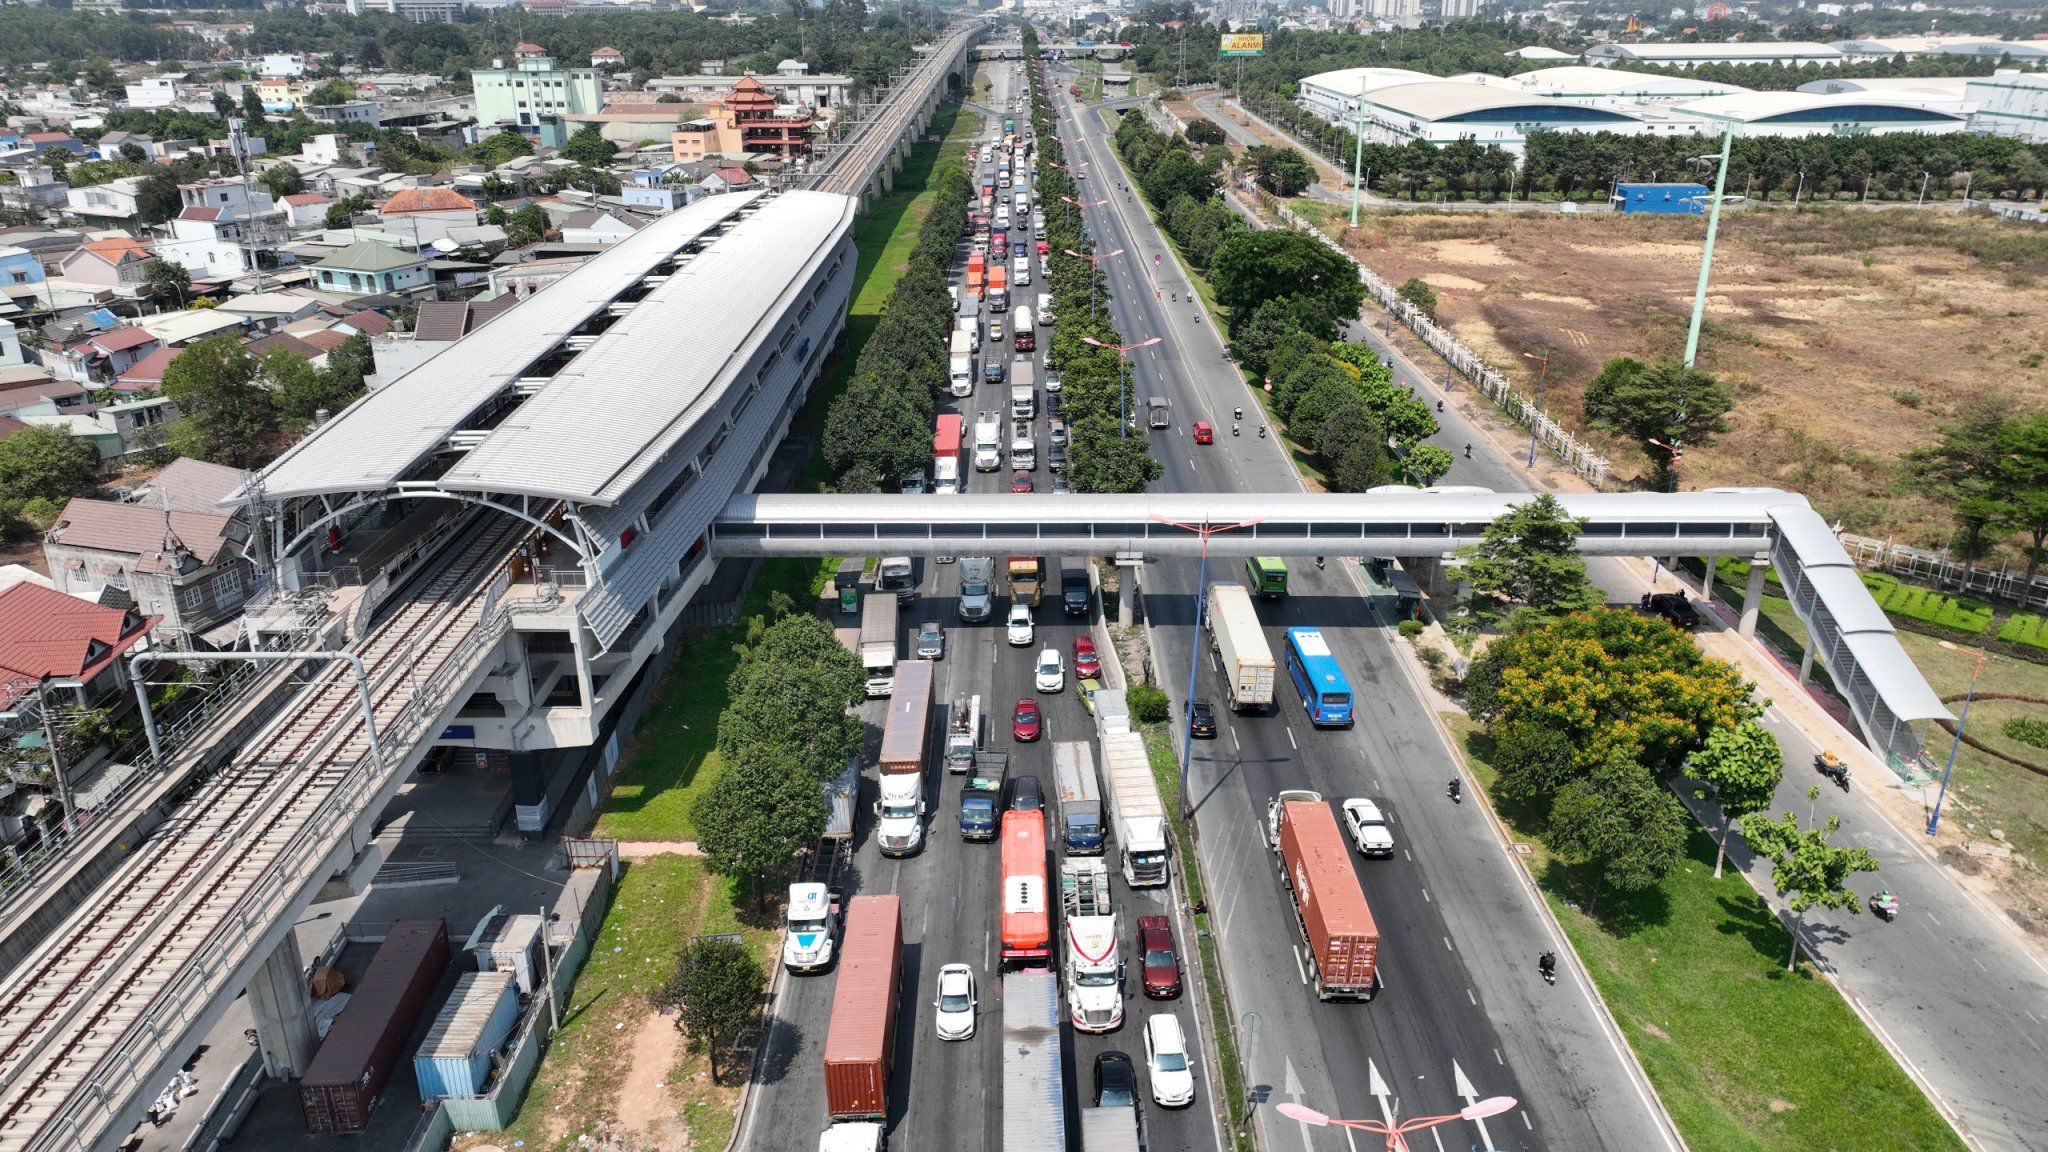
<point x="1087" y="663"/>
<point x="1043" y="248"/>
<point x="1021" y="482"/>
<point x="1162" y="964"/>
<point x="1025" y="724"/>
<point x="1204" y="434"/>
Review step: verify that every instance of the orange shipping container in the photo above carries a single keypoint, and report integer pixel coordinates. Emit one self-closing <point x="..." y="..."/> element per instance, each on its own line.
<point x="860" y="1042"/>
<point x="1343" y="941"/>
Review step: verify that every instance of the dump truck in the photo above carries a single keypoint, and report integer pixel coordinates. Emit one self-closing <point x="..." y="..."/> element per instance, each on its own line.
<point x="878" y="641"/>
<point x="1136" y="812"/>
<point x="981" y="796"/>
<point x="1241" y="650"/>
<point x="1329" y="906"/>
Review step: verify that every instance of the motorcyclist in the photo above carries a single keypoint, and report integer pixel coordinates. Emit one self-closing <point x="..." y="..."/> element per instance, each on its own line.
<point x="1237" y="413"/>
<point x="1455" y="789"/>
<point x="1547" y="964"/>
<point x="1262" y="431"/>
<point x="1233" y="427"/>
<point x="1319" y="563"/>
<point x="1439" y="405"/>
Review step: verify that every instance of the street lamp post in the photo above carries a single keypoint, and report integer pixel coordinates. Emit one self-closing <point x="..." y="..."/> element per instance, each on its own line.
<point x="1094" y="261"/>
<point x="1187" y="743"/>
<point x="1699" y="295"/>
<point x="1934" y="817"/>
<point x="1536" y="417"/>
<point x="1923" y="191"/>
<point x="1477" y="1110"/>
<point x="1123" y="351"/>
<point x="1357" y="161"/>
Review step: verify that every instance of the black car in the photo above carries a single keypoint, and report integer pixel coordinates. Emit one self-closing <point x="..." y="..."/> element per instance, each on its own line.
<point x="1025" y="795"/>
<point x="1202" y="719"/>
<point x="1116" y="1081"/>
<point x="1676" y="608"/>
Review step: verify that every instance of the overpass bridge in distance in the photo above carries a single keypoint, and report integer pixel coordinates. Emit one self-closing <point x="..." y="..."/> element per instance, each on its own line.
<point x="1848" y="634"/>
<point x="865" y="163"/>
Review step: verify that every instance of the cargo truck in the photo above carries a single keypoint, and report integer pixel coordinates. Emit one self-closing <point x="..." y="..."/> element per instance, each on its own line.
<point x="1156" y="408"/>
<point x="1023" y="396"/>
<point x="981" y="796"/>
<point x="840" y="794"/>
<point x="977" y="268"/>
<point x="900" y="810"/>
<point x="1329" y="906"/>
<point x="860" y="1040"/>
<point x="1241" y="649"/>
<point x="878" y="641"/>
<point x="1094" y="972"/>
<point x="1137" y="815"/>
<point x="1034" y="1098"/>
<point x="988" y="445"/>
<point x="961" y="371"/>
<point x="977" y="589"/>
<point x="963" y="733"/>
<point x="1023" y="446"/>
<point x="1075" y="593"/>
<point x="1110" y="1130"/>
<point x="1024" y="579"/>
<point x="1078" y="798"/>
<point x="948" y="436"/>
<point x="998" y="288"/>
<point x="897" y="574"/>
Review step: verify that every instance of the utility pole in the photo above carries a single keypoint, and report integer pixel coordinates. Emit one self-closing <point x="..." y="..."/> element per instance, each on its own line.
<point x="1699" y="296"/>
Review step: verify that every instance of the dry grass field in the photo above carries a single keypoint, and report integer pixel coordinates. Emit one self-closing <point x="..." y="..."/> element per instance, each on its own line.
<point x="1849" y="335"/>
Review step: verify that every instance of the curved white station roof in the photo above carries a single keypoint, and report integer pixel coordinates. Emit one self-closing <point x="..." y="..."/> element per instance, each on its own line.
<point x="1358" y="81"/>
<point x="1586" y="80"/>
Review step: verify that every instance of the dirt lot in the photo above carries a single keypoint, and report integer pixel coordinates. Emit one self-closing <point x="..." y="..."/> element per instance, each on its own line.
<point x="1849" y="335"/>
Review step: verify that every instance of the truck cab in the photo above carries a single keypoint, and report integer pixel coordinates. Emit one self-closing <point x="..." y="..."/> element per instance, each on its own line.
<point x="988" y="449"/>
<point x="855" y="1136"/>
<point x="1273" y="807"/>
<point x="896" y="574"/>
<point x="1094" y="969"/>
<point x="1156" y="412"/>
<point x="811" y="927"/>
<point x="1023" y="446"/>
<point x="977" y="580"/>
<point x="900" y="814"/>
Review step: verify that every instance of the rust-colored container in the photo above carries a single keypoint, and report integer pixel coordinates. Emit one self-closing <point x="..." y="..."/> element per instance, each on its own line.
<point x="1343" y="941"/>
<point x="347" y="1077"/>
<point x="860" y="1044"/>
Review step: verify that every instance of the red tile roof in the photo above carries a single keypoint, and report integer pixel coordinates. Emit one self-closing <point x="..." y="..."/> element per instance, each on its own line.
<point x="148" y="372"/>
<point x="121" y="339"/>
<point x="301" y="199"/>
<point x="297" y="346"/>
<point x="9" y="426"/>
<point x="607" y="50"/>
<point x="117" y="250"/>
<point x="44" y="633"/>
<point x="427" y="200"/>
<point x="208" y="214"/>
<point x="138" y="530"/>
<point x="326" y="341"/>
<point x="368" y="323"/>
<point x="522" y="46"/>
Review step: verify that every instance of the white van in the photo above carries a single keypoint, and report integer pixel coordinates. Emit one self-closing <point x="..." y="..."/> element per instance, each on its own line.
<point x="1020" y="270"/>
<point x="1024" y="332"/>
<point x="1045" y="309"/>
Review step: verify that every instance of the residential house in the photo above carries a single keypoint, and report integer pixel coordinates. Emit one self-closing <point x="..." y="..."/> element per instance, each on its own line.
<point x="19" y="266"/>
<point x="283" y="65"/>
<point x="114" y="200"/>
<point x="116" y="262"/>
<point x="533" y="96"/>
<point x="74" y="651"/>
<point x="154" y="91"/>
<point x="440" y="323"/>
<point x="147" y="375"/>
<point x="731" y="178"/>
<point x="269" y="311"/>
<point x="424" y="215"/>
<point x="180" y="329"/>
<point x="306" y="210"/>
<point x="599" y="227"/>
<point x="10" y="345"/>
<point x="224" y="230"/>
<point x="44" y="141"/>
<point x="607" y="57"/>
<point x="98" y="359"/>
<point x="658" y="200"/>
<point x="35" y="191"/>
<point x="352" y="112"/>
<point x="367" y="267"/>
<point x="174" y="552"/>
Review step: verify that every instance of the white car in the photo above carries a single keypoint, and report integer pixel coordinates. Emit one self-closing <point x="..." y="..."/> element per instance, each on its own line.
<point x="1052" y="670"/>
<point x="931" y="641"/>
<point x="956" y="1002"/>
<point x="1166" y="1061"/>
<point x="1368" y="827"/>
<point x="1020" y="626"/>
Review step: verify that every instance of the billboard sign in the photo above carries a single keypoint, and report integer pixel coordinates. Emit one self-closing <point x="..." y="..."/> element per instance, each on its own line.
<point x="1244" y="44"/>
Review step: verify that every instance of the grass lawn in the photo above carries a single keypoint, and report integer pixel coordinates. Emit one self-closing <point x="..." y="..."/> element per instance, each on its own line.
<point x="671" y="758"/>
<point x="660" y="903"/>
<point x="1744" y="1055"/>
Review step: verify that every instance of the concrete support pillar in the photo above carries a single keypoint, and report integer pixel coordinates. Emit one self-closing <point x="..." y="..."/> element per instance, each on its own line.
<point x="1806" y="662"/>
<point x="585" y="687"/>
<point x="1127" y="595"/>
<point x="1707" y="581"/>
<point x="1753" y="596"/>
<point x="283" y="1008"/>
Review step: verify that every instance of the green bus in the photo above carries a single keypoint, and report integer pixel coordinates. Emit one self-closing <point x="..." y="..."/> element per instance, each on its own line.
<point x="1267" y="576"/>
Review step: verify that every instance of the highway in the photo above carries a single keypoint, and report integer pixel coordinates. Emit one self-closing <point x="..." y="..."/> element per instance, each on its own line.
<point x="1462" y="1011"/>
<point x="947" y="1095"/>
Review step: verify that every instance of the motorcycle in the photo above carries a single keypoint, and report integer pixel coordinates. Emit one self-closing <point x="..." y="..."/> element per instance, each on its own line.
<point x="1831" y="766"/>
<point x="1885" y="906"/>
<point x="1456" y="791"/>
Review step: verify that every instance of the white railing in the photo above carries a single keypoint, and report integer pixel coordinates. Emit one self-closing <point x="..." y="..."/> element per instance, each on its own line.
<point x="1943" y="571"/>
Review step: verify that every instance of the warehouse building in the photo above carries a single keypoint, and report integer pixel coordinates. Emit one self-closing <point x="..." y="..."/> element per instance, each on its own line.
<point x="1791" y="53"/>
<point x="2011" y="103"/>
<point x="1814" y="114"/>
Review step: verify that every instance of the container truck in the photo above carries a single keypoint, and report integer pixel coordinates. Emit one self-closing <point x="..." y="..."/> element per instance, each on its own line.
<point x="977" y="268"/>
<point x="1329" y="906"/>
<point x="1094" y="971"/>
<point x="860" y="1040"/>
<point x="1241" y="650"/>
<point x="900" y="810"/>
<point x="948" y="436"/>
<point x="840" y="793"/>
<point x="1078" y="798"/>
<point x="878" y="641"/>
<point x="348" y="1074"/>
<point x="1075" y="592"/>
<point x="981" y="795"/>
<point x="988" y="446"/>
<point x="1034" y="1098"/>
<point x="967" y="318"/>
<point x="1136" y="813"/>
<point x="963" y="733"/>
<point x="1023" y="446"/>
<point x="1112" y="712"/>
<point x="1024" y="580"/>
<point x="1110" y="1130"/>
<point x="977" y="588"/>
<point x="998" y="288"/>
<point x="810" y="926"/>
<point x="1023" y="396"/>
<point x="961" y="373"/>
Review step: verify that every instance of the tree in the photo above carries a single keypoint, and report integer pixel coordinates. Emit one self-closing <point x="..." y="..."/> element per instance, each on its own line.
<point x="301" y="391"/>
<point x="1204" y="133"/>
<point x="754" y="818"/>
<point x="883" y="429"/>
<point x="1416" y="291"/>
<point x="1529" y="555"/>
<point x="529" y="225"/>
<point x="342" y="212"/>
<point x="157" y="198"/>
<point x="252" y="108"/>
<point x="1102" y="460"/>
<point x="589" y="148"/>
<point x="502" y="147"/>
<point x="1621" y="822"/>
<point x="1609" y="680"/>
<point x="226" y="416"/>
<point x="2022" y="447"/>
<point x="1807" y="870"/>
<point x="1964" y="469"/>
<point x="167" y="278"/>
<point x="224" y="105"/>
<point x="1281" y="171"/>
<point x="1427" y="463"/>
<point x="40" y="462"/>
<point x="796" y="711"/>
<point x="59" y="159"/>
<point x="1666" y="401"/>
<point x="283" y="180"/>
<point x="716" y="990"/>
<point x="336" y="91"/>
<point x="1744" y="764"/>
<point x="1533" y="762"/>
<point x="1322" y="284"/>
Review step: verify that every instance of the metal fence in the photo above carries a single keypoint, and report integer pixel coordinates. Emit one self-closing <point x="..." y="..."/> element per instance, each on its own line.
<point x="1943" y="571"/>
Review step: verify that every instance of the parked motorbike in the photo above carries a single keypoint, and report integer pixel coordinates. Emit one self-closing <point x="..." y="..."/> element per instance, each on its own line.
<point x="1831" y="766"/>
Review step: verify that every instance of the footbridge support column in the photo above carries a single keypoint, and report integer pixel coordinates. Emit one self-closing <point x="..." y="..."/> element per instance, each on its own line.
<point x="283" y="1008"/>
<point x="1753" y="596"/>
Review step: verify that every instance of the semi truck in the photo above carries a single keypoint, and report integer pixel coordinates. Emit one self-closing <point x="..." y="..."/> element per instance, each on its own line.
<point x="988" y="446"/>
<point x="1136" y="813"/>
<point x="1023" y="393"/>
<point x="878" y="641"/>
<point x="1110" y="1130"/>
<point x="1025" y="576"/>
<point x="961" y="372"/>
<point x="1329" y="906"/>
<point x="1156" y="408"/>
<point x="1094" y="978"/>
<point x="860" y="1040"/>
<point x="1034" y="1097"/>
<point x="1241" y="650"/>
<point x="948" y="436"/>
<point x="1078" y="799"/>
<point x="977" y="589"/>
<point x="898" y="575"/>
<point x="1075" y="592"/>
<point x="1023" y="446"/>
<point x="900" y="810"/>
<point x="963" y="733"/>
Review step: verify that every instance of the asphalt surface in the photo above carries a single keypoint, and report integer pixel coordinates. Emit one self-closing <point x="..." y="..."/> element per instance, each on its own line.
<point x="947" y="1095"/>
<point x="1462" y="1012"/>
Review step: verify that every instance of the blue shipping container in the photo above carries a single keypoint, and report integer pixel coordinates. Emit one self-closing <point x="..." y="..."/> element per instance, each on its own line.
<point x="1679" y="199"/>
<point x="455" y="1058"/>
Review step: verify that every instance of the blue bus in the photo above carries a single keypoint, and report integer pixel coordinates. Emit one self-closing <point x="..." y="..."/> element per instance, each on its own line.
<point x="1325" y="693"/>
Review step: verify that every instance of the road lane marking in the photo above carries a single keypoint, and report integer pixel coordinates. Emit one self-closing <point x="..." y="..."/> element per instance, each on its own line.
<point x="1980" y="966"/>
<point x="1447" y="945"/>
<point x="1931" y="916"/>
<point x="1438" y="1137"/>
<point x="1425" y="893"/>
<point x="1497" y="1059"/>
<point x="1290" y="738"/>
<point x="1471" y="997"/>
<point x="1524" y="1114"/>
<point x="1299" y="970"/>
<point x="1234" y="742"/>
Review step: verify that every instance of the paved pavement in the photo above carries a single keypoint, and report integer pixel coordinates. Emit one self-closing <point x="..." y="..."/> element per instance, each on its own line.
<point x="1462" y="1004"/>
